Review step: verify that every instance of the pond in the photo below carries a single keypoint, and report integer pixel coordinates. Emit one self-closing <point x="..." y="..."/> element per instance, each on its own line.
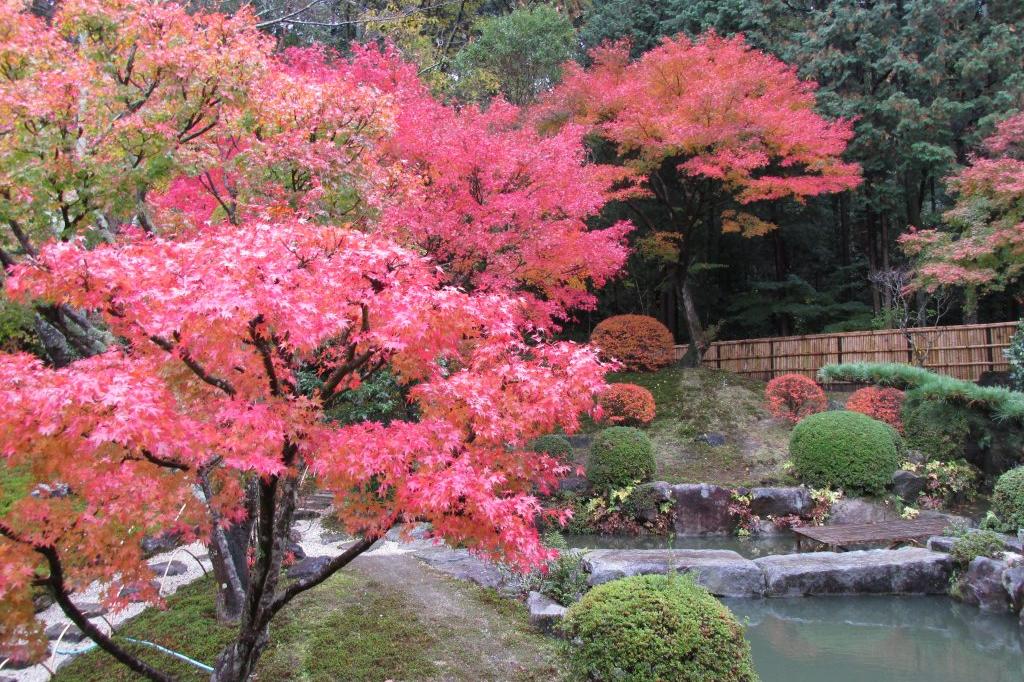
<point x="853" y="639"/>
<point x="879" y="639"/>
<point x="750" y="548"/>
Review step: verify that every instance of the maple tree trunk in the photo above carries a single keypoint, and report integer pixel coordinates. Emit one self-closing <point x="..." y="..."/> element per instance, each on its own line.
<point x="693" y="324"/>
<point x="231" y="595"/>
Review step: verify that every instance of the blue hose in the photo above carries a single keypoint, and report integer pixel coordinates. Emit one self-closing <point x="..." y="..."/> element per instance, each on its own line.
<point x="182" y="657"/>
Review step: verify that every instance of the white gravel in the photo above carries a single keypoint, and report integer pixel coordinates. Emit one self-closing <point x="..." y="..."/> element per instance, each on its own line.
<point x="311" y="541"/>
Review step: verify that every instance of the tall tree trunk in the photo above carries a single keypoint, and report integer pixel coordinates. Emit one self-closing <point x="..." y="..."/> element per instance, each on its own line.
<point x="698" y="342"/>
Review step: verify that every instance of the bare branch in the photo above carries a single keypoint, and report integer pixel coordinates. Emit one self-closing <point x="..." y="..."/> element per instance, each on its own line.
<point x="197" y="369"/>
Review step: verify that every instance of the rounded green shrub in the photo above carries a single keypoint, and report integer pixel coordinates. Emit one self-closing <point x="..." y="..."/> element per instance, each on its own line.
<point x="1008" y="500"/>
<point x="845" y="450"/>
<point x="937" y="429"/>
<point x="620" y="456"/>
<point x="652" y="628"/>
<point x="553" y="444"/>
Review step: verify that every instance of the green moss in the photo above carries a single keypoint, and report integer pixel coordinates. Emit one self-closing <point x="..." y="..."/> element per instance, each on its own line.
<point x="620" y="456"/>
<point x="845" y="450"/>
<point x="1008" y="500"/>
<point x="348" y="624"/>
<point x="651" y="628"/>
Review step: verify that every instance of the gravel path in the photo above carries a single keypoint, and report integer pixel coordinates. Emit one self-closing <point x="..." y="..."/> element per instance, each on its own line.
<point x="315" y="541"/>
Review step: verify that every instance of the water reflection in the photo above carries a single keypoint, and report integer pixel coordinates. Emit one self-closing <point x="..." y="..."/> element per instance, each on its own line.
<point x="880" y="639"/>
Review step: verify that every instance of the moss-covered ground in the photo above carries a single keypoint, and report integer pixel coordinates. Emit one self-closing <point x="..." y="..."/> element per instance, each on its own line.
<point x="694" y="406"/>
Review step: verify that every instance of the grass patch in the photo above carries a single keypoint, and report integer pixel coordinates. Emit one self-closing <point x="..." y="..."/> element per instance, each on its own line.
<point x="15" y="483"/>
<point x="348" y="628"/>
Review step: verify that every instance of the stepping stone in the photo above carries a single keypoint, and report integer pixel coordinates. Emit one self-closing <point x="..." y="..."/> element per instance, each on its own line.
<point x="723" y="573"/>
<point x="913" y="570"/>
<point x="172" y="568"/>
<point x="72" y="636"/>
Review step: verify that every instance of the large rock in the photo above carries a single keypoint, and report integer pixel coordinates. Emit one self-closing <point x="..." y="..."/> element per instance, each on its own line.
<point x="702" y="509"/>
<point x="574" y="484"/>
<point x="644" y="503"/>
<point x="858" y="510"/>
<point x="1013" y="583"/>
<point x="545" y="613"/>
<point x="876" y="571"/>
<point x="908" y="485"/>
<point x="722" y="572"/>
<point x="982" y="585"/>
<point x="780" y="501"/>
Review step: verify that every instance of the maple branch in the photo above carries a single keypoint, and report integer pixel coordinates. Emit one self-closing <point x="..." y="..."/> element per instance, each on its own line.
<point x="60" y="594"/>
<point x="160" y="461"/>
<point x="332" y="567"/>
<point x="268" y="359"/>
<point x="197" y="369"/>
<point x="19" y="234"/>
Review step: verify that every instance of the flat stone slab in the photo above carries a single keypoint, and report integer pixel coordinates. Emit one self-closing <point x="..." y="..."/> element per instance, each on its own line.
<point x="72" y="635"/>
<point x="460" y="564"/>
<point x="545" y="612"/>
<point x="169" y="568"/>
<point x="876" y="571"/>
<point x="722" y="572"/>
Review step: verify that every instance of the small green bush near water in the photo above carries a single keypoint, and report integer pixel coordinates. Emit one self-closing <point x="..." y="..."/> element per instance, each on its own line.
<point x="1008" y="500"/>
<point x="970" y="545"/>
<point x="846" y="450"/>
<point x="655" y="628"/>
<point x="619" y="457"/>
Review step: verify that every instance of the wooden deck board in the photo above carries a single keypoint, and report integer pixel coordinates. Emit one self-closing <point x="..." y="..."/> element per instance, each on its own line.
<point x="899" y="530"/>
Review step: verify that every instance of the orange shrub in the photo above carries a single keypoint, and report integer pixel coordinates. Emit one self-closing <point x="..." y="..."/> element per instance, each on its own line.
<point x="883" y="404"/>
<point x="640" y="343"/>
<point x="627" y="405"/>
<point x="794" y="396"/>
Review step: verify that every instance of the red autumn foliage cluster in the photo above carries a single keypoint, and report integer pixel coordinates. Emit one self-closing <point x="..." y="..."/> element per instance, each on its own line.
<point x="627" y="405"/>
<point x="639" y="342"/>
<point x="794" y="396"/>
<point x="879" y="403"/>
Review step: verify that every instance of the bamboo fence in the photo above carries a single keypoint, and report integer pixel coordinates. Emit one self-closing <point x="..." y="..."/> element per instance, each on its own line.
<point x="964" y="351"/>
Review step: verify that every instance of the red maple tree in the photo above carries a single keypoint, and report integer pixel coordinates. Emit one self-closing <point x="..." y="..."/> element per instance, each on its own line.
<point x="231" y="216"/>
<point x="983" y="245"/>
<point x="713" y="129"/>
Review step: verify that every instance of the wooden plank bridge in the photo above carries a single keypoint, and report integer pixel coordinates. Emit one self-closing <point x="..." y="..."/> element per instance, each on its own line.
<point x="893" y="533"/>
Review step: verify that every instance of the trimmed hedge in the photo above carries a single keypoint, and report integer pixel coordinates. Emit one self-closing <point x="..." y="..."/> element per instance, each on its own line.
<point x="627" y="405"/>
<point x="553" y="444"/>
<point x="845" y="450"/>
<point x="639" y="342"/>
<point x="620" y="456"/>
<point x="1008" y="500"/>
<point x="653" y="628"/>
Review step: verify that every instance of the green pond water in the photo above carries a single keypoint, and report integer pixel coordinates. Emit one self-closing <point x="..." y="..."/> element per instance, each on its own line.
<point x="859" y="639"/>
